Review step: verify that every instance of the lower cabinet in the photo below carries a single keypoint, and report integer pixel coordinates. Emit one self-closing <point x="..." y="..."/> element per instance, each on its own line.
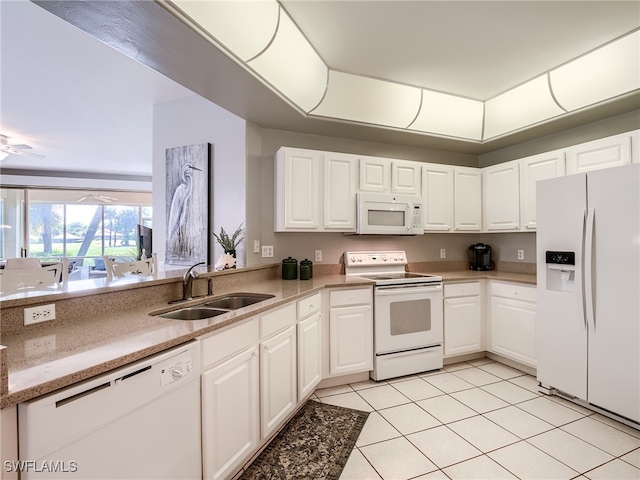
<point x="230" y="391"/>
<point x="309" y="354"/>
<point x="230" y="413"/>
<point x="513" y="322"/>
<point x="350" y="331"/>
<point x="463" y="332"/>
<point x="278" y="392"/>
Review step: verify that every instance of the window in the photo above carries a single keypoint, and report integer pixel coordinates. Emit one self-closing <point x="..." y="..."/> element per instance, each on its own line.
<point x="81" y="226"/>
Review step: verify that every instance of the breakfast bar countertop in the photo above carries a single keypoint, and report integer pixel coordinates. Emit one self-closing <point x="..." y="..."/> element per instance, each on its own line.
<point x="48" y="358"/>
<point x="41" y="360"/>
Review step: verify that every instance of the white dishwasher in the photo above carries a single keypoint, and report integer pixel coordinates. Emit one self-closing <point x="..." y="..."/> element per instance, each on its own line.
<point x="141" y="421"/>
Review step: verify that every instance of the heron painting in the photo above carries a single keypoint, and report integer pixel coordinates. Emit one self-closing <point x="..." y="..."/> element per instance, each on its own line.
<point x="187" y="203"/>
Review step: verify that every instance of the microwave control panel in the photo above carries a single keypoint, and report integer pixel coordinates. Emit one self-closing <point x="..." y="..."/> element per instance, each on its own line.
<point x="417" y="217"/>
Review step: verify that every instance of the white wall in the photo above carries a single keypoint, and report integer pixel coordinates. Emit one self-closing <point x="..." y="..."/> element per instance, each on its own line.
<point x="191" y="121"/>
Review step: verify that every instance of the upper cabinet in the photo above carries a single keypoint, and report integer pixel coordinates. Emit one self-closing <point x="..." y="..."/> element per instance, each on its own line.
<point x="375" y="175"/>
<point x="533" y="169"/>
<point x="315" y="191"/>
<point x="437" y="194"/>
<point x="501" y="197"/>
<point x="603" y="153"/>
<point x="296" y="189"/>
<point x="383" y="175"/>
<point x="467" y="199"/>
<point x="405" y="177"/>
<point x="339" y="192"/>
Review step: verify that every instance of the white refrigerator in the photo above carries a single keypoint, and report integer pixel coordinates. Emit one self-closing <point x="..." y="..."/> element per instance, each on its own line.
<point x="588" y="267"/>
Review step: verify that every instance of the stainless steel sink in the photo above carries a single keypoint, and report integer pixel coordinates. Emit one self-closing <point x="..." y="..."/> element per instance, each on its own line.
<point x="193" y="313"/>
<point x="233" y="302"/>
<point x="216" y="307"/>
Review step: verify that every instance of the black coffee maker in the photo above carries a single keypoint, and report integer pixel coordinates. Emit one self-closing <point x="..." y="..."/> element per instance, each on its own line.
<point x="480" y="257"/>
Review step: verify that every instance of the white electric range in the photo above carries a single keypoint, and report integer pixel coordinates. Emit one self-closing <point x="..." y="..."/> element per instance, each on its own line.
<point x="407" y="313"/>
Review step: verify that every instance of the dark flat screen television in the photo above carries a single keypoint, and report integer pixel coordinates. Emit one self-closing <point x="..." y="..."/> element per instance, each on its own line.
<point x="144" y="241"/>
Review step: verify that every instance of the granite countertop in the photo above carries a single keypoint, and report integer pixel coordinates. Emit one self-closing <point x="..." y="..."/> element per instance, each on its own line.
<point x="49" y="358"/>
<point x="467" y="275"/>
<point x="45" y="360"/>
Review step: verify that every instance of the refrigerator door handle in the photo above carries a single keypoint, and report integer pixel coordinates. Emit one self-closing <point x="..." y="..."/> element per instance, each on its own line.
<point x="588" y="268"/>
<point x="580" y="274"/>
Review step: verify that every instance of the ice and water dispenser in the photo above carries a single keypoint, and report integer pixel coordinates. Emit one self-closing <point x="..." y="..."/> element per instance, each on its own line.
<point x="561" y="271"/>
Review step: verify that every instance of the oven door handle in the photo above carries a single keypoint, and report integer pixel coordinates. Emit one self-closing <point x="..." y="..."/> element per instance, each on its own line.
<point x="399" y="289"/>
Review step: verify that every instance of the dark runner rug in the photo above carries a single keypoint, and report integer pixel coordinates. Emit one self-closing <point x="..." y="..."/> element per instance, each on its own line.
<point x="315" y="444"/>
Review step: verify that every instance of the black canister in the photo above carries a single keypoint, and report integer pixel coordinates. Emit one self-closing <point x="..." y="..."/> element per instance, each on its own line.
<point x="289" y="268"/>
<point x="308" y="263"/>
<point x="305" y="272"/>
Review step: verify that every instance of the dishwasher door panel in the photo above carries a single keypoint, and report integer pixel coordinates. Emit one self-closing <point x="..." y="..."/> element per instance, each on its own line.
<point x="140" y="421"/>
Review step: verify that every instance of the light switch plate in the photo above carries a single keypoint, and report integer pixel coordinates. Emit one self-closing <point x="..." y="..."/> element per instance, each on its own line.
<point x="267" y="251"/>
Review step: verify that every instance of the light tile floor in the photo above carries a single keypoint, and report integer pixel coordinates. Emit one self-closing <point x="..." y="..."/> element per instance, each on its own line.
<point x="480" y="420"/>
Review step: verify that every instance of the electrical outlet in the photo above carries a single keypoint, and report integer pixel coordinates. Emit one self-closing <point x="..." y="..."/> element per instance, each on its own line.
<point x="318" y="255"/>
<point x="443" y="253"/>
<point x="520" y="254"/>
<point x="43" y="313"/>
<point x="267" y="251"/>
<point x="256" y="246"/>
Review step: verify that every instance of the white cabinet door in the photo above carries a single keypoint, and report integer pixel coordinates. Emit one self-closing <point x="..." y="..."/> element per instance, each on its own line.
<point x="375" y="175"/>
<point x="501" y="197"/>
<point x="462" y="325"/>
<point x="309" y="355"/>
<point x="296" y="190"/>
<point x="467" y="199"/>
<point x="339" y="192"/>
<point x="603" y="153"/>
<point x="405" y="177"/>
<point x="230" y="426"/>
<point x="533" y="169"/>
<point x="350" y="339"/>
<point x="513" y="329"/>
<point x="437" y="194"/>
<point x="277" y="380"/>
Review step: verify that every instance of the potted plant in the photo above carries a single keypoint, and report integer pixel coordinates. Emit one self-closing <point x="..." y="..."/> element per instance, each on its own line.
<point x="230" y="243"/>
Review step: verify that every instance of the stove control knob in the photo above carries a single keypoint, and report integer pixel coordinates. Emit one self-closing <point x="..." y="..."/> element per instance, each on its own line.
<point x="352" y="258"/>
<point x="384" y="258"/>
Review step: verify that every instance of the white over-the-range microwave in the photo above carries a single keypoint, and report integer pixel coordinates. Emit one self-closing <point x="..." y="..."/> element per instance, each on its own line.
<point x="388" y="214"/>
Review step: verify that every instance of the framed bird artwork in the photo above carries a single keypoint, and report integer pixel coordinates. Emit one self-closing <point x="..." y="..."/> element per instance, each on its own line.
<point x="188" y="192"/>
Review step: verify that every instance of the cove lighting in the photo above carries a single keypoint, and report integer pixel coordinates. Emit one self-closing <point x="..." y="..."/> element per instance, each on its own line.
<point x="604" y="73"/>
<point x="269" y="44"/>
<point x="528" y="104"/>
<point x="369" y="100"/>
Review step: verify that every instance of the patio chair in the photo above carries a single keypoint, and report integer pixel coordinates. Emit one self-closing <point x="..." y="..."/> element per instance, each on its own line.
<point x="118" y="269"/>
<point x="49" y="278"/>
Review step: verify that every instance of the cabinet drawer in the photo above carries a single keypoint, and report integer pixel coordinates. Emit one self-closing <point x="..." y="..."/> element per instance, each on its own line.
<point x="515" y="291"/>
<point x="219" y="346"/>
<point x="309" y="305"/>
<point x="461" y="289"/>
<point x="277" y="320"/>
<point x="358" y="296"/>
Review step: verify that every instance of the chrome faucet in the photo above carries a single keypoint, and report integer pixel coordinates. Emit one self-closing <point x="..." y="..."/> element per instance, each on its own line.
<point x="187" y="283"/>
